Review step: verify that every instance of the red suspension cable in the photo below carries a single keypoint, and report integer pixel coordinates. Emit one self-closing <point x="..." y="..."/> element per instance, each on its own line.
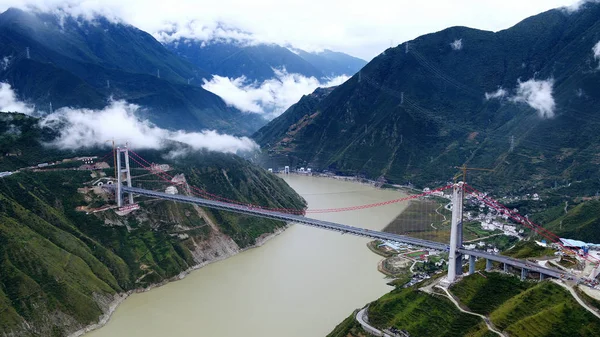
<point x="209" y="195"/>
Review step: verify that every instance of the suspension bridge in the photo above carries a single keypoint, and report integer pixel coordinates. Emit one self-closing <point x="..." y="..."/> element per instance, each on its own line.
<point x="124" y="195"/>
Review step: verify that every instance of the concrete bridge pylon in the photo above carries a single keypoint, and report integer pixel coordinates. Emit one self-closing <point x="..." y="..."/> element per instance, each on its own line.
<point x="456" y="240"/>
<point x="120" y="171"/>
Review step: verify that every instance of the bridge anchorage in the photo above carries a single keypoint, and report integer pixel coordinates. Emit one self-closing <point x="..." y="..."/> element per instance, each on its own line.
<point x="455" y="249"/>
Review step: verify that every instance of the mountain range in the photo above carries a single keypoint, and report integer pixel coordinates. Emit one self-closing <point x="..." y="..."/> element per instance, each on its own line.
<point x="522" y="101"/>
<point x="258" y="62"/>
<point x="55" y="61"/>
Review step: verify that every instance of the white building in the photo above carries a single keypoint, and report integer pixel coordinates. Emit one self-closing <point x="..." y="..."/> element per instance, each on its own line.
<point x="171" y="190"/>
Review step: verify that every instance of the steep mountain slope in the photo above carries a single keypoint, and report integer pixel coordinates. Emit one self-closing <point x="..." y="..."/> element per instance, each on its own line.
<point x="82" y="64"/>
<point x="581" y="221"/>
<point x="294" y="118"/>
<point x="417" y="110"/>
<point x="63" y="39"/>
<point x="256" y="62"/>
<point x="61" y="266"/>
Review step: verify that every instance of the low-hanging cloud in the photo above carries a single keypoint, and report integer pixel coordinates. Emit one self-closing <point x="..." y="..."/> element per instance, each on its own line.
<point x="271" y="97"/>
<point x="89" y="128"/>
<point x="295" y="23"/>
<point x="596" y="51"/>
<point x="456" y="44"/>
<point x="9" y="101"/>
<point x="84" y="128"/>
<point x="500" y="93"/>
<point x="5" y="62"/>
<point x="578" y="5"/>
<point x="207" y="32"/>
<point x="538" y="95"/>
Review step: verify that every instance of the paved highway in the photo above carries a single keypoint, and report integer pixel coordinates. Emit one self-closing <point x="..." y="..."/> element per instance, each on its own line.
<point x="343" y="229"/>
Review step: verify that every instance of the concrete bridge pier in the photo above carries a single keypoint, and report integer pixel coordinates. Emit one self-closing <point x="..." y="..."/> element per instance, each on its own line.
<point x="471" y="264"/>
<point x="488" y="265"/>
<point x="505" y="267"/>
<point x="542" y="277"/>
<point x="523" y="274"/>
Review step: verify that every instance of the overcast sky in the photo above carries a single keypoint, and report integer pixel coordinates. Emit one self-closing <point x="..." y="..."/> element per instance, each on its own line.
<point x="361" y="28"/>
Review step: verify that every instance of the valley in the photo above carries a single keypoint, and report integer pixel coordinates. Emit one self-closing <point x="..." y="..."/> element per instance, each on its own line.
<point x="299" y="169"/>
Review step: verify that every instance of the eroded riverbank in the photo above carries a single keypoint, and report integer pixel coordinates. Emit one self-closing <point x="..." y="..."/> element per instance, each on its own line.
<point x="302" y="283"/>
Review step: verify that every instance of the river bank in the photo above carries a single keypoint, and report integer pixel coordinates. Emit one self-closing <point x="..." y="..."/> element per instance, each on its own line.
<point x="120" y="297"/>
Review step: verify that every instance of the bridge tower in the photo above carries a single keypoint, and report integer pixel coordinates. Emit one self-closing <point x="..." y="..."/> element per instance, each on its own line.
<point x="119" y="151"/>
<point x="456" y="238"/>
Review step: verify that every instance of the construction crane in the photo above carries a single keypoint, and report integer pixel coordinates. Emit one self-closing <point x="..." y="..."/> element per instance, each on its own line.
<point x="464" y="170"/>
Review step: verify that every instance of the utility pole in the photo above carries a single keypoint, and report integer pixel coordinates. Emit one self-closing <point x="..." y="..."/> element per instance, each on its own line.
<point x="359" y="76"/>
<point x="406" y="48"/>
<point x="51" y="110"/>
<point x="402" y="98"/>
<point x="512" y="144"/>
<point x="27" y="52"/>
<point x="107" y="84"/>
<point x="158" y="73"/>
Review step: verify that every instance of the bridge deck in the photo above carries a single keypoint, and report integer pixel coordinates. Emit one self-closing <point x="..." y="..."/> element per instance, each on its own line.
<point x="342" y="228"/>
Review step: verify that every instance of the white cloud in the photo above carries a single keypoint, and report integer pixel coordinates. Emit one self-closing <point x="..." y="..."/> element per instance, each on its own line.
<point x="87" y="128"/>
<point x="208" y="31"/>
<point x="457" y="44"/>
<point x="358" y="28"/>
<point x="577" y="5"/>
<point x="10" y="103"/>
<point x="5" y="62"/>
<point x="80" y="128"/>
<point x="271" y="97"/>
<point x="538" y="95"/>
<point x="500" y="93"/>
<point x="596" y="51"/>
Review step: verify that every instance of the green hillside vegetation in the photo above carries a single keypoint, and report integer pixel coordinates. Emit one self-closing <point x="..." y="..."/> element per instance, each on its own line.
<point x="517" y="308"/>
<point x="484" y="294"/>
<point x="526" y="249"/>
<point x="545" y="310"/>
<point x="20" y="142"/>
<point x="423" y="314"/>
<point x="525" y="308"/>
<point x="60" y="268"/>
<point x="581" y="221"/>
<point x="58" y="265"/>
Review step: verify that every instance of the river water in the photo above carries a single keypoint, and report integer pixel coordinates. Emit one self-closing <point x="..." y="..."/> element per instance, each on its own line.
<point x="301" y="283"/>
